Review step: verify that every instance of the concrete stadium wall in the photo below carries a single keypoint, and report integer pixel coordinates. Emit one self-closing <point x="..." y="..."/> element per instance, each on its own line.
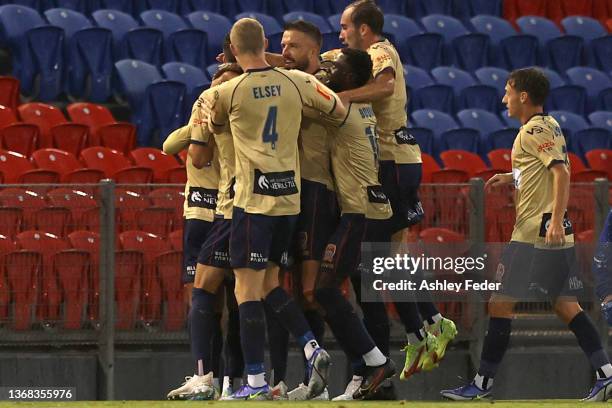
<point x="526" y="373"/>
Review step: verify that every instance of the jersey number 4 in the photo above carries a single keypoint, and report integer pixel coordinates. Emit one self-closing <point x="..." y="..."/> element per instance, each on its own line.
<point x="269" y="134"/>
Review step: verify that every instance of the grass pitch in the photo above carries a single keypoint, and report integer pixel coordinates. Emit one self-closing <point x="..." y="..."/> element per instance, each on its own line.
<point x="301" y="404"/>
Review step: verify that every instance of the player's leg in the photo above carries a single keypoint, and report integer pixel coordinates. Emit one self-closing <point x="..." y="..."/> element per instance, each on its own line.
<point x="217" y="338"/>
<point x="341" y="256"/>
<point x="278" y="347"/>
<point x="288" y="311"/>
<point x="234" y="362"/>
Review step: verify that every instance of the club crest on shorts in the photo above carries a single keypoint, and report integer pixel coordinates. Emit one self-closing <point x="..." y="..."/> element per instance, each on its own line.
<point x="330" y="252"/>
<point x="303" y="240"/>
<point x="499" y="274"/>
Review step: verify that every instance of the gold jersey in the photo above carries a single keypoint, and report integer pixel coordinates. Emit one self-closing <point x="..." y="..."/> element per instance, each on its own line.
<point x="314" y="153"/>
<point x="355" y="164"/>
<point x="227" y="174"/>
<point x="538" y="146"/>
<point x="264" y="110"/>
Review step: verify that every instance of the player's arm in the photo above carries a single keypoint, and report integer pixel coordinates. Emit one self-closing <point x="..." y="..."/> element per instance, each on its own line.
<point x="177" y="140"/>
<point x="499" y="179"/>
<point x="216" y="108"/>
<point x="379" y="88"/>
<point x="201" y="153"/>
<point x="317" y="96"/>
<point x="555" y="235"/>
<point x="201" y="139"/>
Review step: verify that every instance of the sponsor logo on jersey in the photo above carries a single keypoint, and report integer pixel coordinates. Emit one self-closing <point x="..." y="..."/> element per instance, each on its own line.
<point x="330" y="252"/>
<point x="275" y="184"/>
<point x="499" y="274"/>
<point x="202" y="198"/>
<point x="377" y="195"/>
<point x="535" y="130"/>
<point x="567" y="224"/>
<point x="403" y="136"/>
<point x="546" y="146"/>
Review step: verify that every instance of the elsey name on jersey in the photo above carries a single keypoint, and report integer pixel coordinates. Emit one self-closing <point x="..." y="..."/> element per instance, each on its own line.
<point x="266" y="91"/>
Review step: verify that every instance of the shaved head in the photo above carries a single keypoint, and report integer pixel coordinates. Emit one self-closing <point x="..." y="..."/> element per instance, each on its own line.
<point x="247" y="37"/>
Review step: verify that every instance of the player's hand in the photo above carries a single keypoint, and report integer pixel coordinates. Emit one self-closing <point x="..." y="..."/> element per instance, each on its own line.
<point x="344" y="98"/>
<point x="220" y="58"/>
<point x="555" y="235"/>
<point x="498" y="180"/>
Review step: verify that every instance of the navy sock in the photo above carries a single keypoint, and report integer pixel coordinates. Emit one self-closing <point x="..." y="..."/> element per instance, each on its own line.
<point x="217" y="347"/>
<point x="252" y="335"/>
<point x="427" y="310"/>
<point x="317" y="325"/>
<point x="588" y="338"/>
<point x="375" y="318"/>
<point x="359" y="367"/>
<point x="495" y="346"/>
<point x="278" y="344"/>
<point x="344" y="322"/>
<point x="202" y="327"/>
<point x="409" y="315"/>
<point x="234" y="362"/>
<point x="289" y="315"/>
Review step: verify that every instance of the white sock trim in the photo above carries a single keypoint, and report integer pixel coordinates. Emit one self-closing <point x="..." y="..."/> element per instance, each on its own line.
<point x="374" y="357"/>
<point x="257" y="380"/>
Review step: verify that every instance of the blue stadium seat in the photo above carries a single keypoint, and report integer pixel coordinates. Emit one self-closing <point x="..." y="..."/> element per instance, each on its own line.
<point x="322" y="9"/>
<point x="90" y="64"/>
<point x="130" y="40"/>
<point x="315" y="19"/>
<point x="564" y="52"/>
<point x="495" y="27"/>
<point x="471" y="51"/>
<point x="182" y="43"/>
<point x="493" y="76"/>
<point x="481" y="120"/>
<point x="420" y="8"/>
<point x="508" y="121"/>
<point x="271" y="27"/>
<point x="69" y="20"/>
<point x="601" y="119"/>
<point x="423" y="50"/>
<point x="501" y="139"/>
<point x="459" y="139"/>
<point x="416" y="77"/>
<point x="134" y="76"/>
<point x="438" y="122"/>
<point x="450" y="28"/>
<point x="122" y="5"/>
<point x="400" y="27"/>
<point x="454" y="77"/>
<point x="554" y="78"/>
<point x="601" y="52"/>
<point x="586" y="27"/>
<point x="334" y="21"/>
<point x="144" y="5"/>
<point x="215" y="26"/>
<point x="593" y="81"/>
<point x="189" y="6"/>
<point x="81" y="6"/>
<point x="211" y="69"/>
<point x="465" y="9"/>
<point x="331" y="41"/>
<point x="256" y="6"/>
<point x="604" y="101"/>
<point x="570" y="98"/>
<point x="468" y="93"/>
<point x="337" y="6"/>
<point x="15" y="20"/>
<point x="570" y="123"/>
<point x="519" y="51"/>
<point x="425" y="138"/>
<point x="436" y="96"/>
<point x="540" y="27"/>
<point x="194" y="78"/>
<point x="586" y="140"/>
<point x="38" y="5"/>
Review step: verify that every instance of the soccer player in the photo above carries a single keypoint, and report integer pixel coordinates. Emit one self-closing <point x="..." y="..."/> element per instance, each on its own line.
<point x="602" y="268"/>
<point x="301" y="46"/>
<point x="400" y="170"/>
<point x="539" y="262"/>
<point x="202" y="195"/>
<point x="263" y="108"/>
<point x="354" y="152"/>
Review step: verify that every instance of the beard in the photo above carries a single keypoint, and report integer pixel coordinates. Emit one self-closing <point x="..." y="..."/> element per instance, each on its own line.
<point x="295" y="64"/>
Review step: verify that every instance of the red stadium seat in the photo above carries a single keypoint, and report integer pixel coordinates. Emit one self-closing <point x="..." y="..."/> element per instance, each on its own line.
<point x="169" y="269"/>
<point x="28" y="201"/>
<point x="43" y="115"/>
<point x="177" y="175"/>
<point x="469" y="162"/>
<point x="20" y="137"/>
<point x="23" y="271"/>
<point x="587" y="236"/>
<point x="576" y="163"/>
<point x="156" y="220"/>
<point x="129" y="267"/>
<point x="588" y="176"/>
<point x="609" y="25"/>
<point x="72" y="269"/>
<point x="151" y="245"/>
<point x="13" y="165"/>
<point x="67" y="165"/>
<point x="170" y="198"/>
<point x="9" y="92"/>
<point x="84" y="210"/>
<point x="602" y="10"/>
<point x="447" y="201"/>
<point x="514" y="9"/>
<point x="105" y="130"/>
<point x="90" y="241"/>
<point x="183" y="156"/>
<point x="500" y="159"/>
<point x="176" y="240"/>
<point x="156" y="160"/>
<point x="7" y="116"/>
<point x="559" y="9"/>
<point x="70" y="137"/>
<point x="6" y="245"/>
<point x="39" y="176"/>
<point x="48" y="245"/>
<point x="429" y="166"/>
<point x="115" y="165"/>
<point x="449" y="176"/>
<point x="600" y="159"/>
<point x="487" y="174"/>
<point x="11" y="220"/>
<point x="128" y="204"/>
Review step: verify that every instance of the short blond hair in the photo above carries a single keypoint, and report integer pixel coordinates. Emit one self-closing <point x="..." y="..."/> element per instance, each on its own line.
<point x="247" y="36"/>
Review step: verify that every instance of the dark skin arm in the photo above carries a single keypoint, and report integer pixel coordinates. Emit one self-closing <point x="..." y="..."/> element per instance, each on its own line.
<point x="381" y="87"/>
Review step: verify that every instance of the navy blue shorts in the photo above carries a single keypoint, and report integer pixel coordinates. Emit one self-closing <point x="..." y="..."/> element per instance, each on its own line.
<point x="215" y="250"/>
<point x="317" y="221"/>
<point x="343" y="251"/>
<point x="401" y="183"/>
<point x="195" y="232"/>
<point x="257" y="239"/>
<point x="532" y="274"/>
